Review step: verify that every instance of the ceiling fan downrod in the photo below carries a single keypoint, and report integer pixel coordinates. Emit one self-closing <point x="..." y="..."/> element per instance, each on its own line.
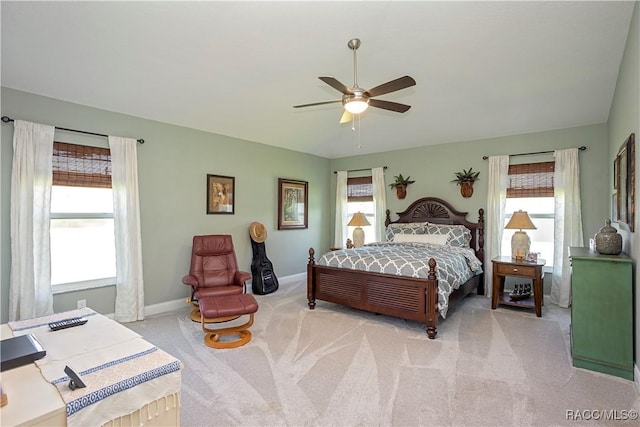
<point x="354" y="44"/>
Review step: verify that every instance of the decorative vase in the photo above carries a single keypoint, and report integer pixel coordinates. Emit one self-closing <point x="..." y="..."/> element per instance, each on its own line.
<point x="401" y="191"/>
<point x="608" y="240"/>
<point x="466" y="188"/>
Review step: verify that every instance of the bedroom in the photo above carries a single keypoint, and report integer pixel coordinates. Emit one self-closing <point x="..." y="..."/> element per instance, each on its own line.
<point x="175" y="160"/>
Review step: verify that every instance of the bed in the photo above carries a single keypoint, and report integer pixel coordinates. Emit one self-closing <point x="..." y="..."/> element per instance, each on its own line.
<point x="404" y="296"/>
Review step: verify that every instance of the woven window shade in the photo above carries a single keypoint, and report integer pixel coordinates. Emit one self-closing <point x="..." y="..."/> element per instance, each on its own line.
<point x="81" y="166"/>
<point x="531" y="180"/>
<point x="360" y="189"/>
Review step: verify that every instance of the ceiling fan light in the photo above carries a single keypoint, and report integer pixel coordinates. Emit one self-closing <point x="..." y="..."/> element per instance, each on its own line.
<point x="356" y="106"/>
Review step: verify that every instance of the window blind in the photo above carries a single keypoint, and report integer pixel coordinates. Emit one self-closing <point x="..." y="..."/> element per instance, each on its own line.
<point x="81" y="165"/>
<point x="531" y="180"/>
<point x="360" y="189"/>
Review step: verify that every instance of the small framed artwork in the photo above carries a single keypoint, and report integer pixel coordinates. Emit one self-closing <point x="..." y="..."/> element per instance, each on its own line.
<point x="292" y="204"/>
<point x="220" y="194"/>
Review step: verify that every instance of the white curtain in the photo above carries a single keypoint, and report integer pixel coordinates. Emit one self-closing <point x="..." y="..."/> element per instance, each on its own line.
<point x="379" y="202"/>
<point x="494" y="221"/>
<point x="341" y="210"/>
<point x="126" y="211"/>
<point x="567" y="222"/>
<point x="30" y="292"/>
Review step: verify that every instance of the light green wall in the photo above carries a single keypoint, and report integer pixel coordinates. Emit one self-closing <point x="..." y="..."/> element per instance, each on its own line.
<point x="172" y="168"/>
<point x="624" y="119"/>
<point x="433" y="168"/>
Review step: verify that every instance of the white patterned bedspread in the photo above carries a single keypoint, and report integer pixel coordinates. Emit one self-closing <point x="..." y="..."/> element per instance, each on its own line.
<point x="454" y="265"/>
<point x="122" y="371"/>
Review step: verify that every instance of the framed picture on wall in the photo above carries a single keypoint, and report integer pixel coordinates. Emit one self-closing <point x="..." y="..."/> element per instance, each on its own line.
<point x="625" y="177"/>
<point x="220" y="194"/>
<point x="292" y="204"/>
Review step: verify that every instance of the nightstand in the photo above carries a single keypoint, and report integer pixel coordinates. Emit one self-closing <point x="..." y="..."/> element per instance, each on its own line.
<point x="508" y="267"/>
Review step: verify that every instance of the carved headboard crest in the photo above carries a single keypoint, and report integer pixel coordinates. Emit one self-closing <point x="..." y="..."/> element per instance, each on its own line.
<point x="429" y="210"/>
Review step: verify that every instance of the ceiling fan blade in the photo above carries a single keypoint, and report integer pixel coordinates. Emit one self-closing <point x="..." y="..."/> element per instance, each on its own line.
<point x="392" y="86"/>
<point x="331" y="81"/>
<point x="346" y="117"/>
<point x="316" y="103"/>
<point x="388" y="105"/>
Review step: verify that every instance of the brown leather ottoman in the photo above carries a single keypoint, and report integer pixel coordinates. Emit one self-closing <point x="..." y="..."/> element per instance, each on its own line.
<point x="212" y="308"/>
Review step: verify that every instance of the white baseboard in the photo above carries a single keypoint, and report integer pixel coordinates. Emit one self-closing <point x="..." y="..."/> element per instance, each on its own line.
<point x="164" y="307"/>
<point x="287" y="280"/>
<point x="636" y="377"/>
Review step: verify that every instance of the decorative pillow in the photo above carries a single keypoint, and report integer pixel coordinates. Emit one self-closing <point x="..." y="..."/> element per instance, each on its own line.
<point x="436" y="239"/>
<point x="404" y="228"/>
<point x="457" y="235"/>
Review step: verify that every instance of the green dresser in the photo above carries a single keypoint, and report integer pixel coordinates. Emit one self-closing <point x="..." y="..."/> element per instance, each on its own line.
<point x="602" y="312"/>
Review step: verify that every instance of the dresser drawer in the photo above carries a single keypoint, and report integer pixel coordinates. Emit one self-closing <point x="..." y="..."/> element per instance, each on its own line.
<point x="516" y="270"/>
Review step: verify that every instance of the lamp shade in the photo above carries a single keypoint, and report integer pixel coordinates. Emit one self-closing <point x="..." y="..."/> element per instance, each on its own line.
<point x="520" y="242"/>
<point x="358" y="220"/>
<point x="520" y="221"/>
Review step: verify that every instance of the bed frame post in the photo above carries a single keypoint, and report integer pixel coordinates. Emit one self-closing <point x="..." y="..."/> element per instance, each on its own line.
<point x="387" y="220"/>
<point x="480" y="250"/>
<point x="432" y="300"/>
<point x="311" y="289"/>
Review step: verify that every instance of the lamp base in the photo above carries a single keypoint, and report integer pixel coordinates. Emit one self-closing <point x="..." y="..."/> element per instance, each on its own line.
<point x="358" y="237"/>
<point x="520" y="244"/>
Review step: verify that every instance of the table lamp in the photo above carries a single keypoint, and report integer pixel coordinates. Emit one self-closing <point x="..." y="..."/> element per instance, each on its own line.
<point x="520" y="242"/>
<point x="358" y="220"/>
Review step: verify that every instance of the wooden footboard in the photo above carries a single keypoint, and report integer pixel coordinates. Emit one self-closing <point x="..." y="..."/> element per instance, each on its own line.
<point x="403" y="297"/>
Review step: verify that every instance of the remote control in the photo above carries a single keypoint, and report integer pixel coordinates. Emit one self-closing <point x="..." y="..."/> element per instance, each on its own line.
<point x="67" y="323"/>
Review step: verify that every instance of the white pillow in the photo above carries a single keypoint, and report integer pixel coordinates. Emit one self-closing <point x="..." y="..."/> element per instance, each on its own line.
<point x="437" y="239"/>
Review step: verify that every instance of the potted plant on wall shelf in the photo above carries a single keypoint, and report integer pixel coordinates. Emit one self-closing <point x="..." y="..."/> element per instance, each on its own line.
<point x="400" y="185"/>
<point x="465" y="180"/>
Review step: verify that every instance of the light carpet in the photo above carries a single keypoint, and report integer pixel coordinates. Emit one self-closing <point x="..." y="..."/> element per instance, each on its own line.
<point x="334" y="366"/>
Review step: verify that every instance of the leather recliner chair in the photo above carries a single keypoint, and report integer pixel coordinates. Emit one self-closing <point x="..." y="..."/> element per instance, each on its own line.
<point x="214" y="270"/>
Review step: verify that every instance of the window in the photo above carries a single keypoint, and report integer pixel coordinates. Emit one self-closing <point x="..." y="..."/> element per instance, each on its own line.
<point x="360" y="199"/>
<point x="82" y="224"/>
<point x="531" y="189"/>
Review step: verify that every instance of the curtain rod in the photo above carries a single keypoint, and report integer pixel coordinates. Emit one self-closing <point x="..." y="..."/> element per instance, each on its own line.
<point x="581" y="148"/>
<point x="6" y="119"/>
<point x="359" y="170"/>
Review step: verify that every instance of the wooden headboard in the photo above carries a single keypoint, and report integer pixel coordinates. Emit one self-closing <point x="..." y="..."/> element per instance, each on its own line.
<point x="438" y="211"/>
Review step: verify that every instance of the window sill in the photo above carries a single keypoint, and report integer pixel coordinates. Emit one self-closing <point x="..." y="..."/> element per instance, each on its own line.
<point x="64" y="288"/>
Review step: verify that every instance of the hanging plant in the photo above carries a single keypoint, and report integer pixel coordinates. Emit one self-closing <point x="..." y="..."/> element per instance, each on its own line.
<point x="400" y="185"/>
<point x="465" y="180"/>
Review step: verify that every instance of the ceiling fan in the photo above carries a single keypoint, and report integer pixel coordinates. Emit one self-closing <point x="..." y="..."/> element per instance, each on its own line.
<point x="356" y="100"/>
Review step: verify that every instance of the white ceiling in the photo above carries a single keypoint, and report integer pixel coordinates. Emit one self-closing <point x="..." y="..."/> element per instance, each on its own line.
<point x="483" y="69"/>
